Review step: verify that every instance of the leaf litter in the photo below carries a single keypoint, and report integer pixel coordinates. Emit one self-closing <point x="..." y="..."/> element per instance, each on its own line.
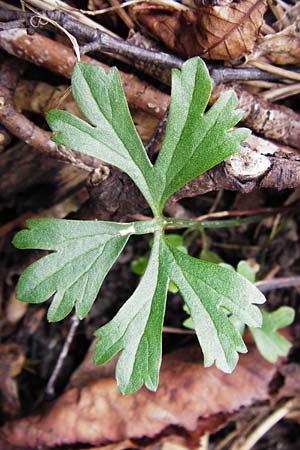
<point x="96" y="413"/>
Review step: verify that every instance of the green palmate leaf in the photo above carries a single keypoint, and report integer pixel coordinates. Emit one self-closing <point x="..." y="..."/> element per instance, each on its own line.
<point x="137" y="328"/>
<point x="195" y="142"/>
<point x="211" y="292"/>
<point x="84" y="253"/>
<point x="270" y="343"/>
<point x="111" y="135"/>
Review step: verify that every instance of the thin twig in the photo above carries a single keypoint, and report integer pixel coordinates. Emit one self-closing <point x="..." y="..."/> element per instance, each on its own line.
<point x="278" y="283"/>
<point x="23" y="128"/>
<point x="282" y="92"/>
<point x="154" y="143"/>
<point x="122" y="13"/>
<point x="103" y="42"/>
<point x="247" y="212"/>
<point x="50" y="388"/>
<point x="51" y="5"/>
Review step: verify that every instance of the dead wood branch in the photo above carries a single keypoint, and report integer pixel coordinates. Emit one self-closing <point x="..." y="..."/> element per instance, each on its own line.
<point x="39" y="97"/>
<point x="270" y="168"/>
<point x="279" y="123"/>
<point x="273" y="121"/>
<point x="60" y="59"/>
<point x="261" y="165"/>
<point x="282" y="171"/>
<point x="22" y="169"/>
<point x="5" y="138"/>
<point x="144" y="53"/>
<point x="31" y="134"/>
<point x="21" y="127"/>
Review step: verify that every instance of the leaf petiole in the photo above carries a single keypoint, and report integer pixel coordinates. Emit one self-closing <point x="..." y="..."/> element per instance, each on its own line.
<point x="190" y="223"/>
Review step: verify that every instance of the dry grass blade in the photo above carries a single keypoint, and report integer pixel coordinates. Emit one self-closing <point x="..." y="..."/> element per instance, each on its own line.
<point x="282" y="92"/>
<point x="40" y="16"/>
<point x="288" y="17"/>
<point x="277" y="70"/>
<point x="266" y="425"/>
<point x="50" y="5"/>
<point x="98" y="12"/>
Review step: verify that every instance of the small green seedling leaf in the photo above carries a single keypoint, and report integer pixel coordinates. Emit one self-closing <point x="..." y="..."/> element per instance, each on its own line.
<point x="270" y="343"/>
<point x="248" y="271"/>
<point x="139" y="265"/>
<point x="209" y="256"/>
<point x="84" y="251"/>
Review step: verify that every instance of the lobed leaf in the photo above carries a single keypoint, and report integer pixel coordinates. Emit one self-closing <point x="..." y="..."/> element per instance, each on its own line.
<point x="84" y="253"/>
<point x="136" y="329"/>
<point x="195" y="142"/>
<point x="111" y="135"/>
<point x="211" y="292"/>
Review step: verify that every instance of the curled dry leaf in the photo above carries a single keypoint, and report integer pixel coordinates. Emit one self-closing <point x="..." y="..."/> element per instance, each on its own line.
<point x="97" y="413"/>
<point x="206" y="3"/>
<point x="218" y="32"/>
<point x="12" y="360"/>
<point x="280" y="48"/>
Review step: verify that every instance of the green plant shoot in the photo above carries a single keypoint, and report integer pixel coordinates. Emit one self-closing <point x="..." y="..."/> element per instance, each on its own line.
<point x="84" y="251"/>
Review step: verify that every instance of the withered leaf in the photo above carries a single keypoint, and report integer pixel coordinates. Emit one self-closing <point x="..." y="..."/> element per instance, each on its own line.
<point x="12" y="359"/>
<point x="218" y="32"/>
<point x="291" y="375"/>
<point x="97" y="413"/>
<point x="280" y="48"/>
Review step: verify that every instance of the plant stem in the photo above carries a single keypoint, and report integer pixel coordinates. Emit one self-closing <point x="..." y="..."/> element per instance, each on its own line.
<point x="190" y="223"/>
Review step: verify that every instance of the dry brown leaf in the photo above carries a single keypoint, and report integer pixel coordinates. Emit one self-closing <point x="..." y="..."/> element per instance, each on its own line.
<point x="124" y="445"/>
<point x="280" y="48"/>
<point x="97" y="413"/>
<point x="88" y="371"/>
<point x="291" y="386"/>
<point x="145" y="124"/>
<point x="173" y="442"/>
<point x="15" y="309"/>
<point x="12" y="359"/>
<point x="219" y="32"/>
